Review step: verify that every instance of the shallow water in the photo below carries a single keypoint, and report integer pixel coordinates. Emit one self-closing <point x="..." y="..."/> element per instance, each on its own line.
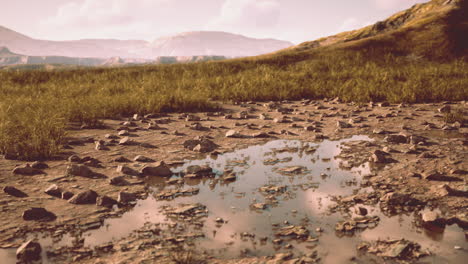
<point x="309" y="193"/>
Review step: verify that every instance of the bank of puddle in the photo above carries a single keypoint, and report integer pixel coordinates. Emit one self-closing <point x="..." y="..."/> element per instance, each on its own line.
<point x="248" y="231"/>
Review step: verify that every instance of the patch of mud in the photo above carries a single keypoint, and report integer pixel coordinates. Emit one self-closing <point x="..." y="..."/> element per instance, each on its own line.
<point x="261" y="201"/>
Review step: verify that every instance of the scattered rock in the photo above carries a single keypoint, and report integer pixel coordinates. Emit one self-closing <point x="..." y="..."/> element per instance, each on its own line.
<point x="396" y="139"/>
<point x="160" y="169"/>
<point x="27" y="170"/>
<point x="126" y="198"/>
<point x="80" y="170"/>
<point x="54" y="190"/>
<point x="39" y="165"/>
<point x="141" y="158"/>
<point x="28" y="252"/>
<point x="11" y="190"/>
<point x="437" y="176"/>
<point x="85" y="197"/>
<point x="119" y="181"/>
<point x="38" y="214"/>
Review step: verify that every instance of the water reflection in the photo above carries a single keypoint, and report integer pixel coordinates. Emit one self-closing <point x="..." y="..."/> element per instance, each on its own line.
<point x="306" y="199"/>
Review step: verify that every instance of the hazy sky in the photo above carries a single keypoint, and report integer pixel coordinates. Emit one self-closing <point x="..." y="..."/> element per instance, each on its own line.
<point x="293" y="20"/>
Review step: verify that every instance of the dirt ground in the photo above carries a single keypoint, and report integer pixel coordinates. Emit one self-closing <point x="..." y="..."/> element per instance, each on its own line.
<point x="420" y="156"/>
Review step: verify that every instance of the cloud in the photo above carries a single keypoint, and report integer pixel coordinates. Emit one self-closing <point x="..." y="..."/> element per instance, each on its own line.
<point x="250" y="16"/>
<point x="104" y="17"/>
<point x="391" y="4"/>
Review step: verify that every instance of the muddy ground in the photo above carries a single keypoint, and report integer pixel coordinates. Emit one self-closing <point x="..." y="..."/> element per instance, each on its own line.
<point x="417" y="161"/>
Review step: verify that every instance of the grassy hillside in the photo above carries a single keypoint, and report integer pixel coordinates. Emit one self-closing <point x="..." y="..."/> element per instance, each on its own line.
<point x="36" y="105"/>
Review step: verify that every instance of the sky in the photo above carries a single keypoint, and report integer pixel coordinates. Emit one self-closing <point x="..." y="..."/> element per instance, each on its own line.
<point x="293" y="20"/>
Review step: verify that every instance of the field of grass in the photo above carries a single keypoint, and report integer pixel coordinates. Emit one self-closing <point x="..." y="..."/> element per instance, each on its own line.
<point x="37" y="105"/>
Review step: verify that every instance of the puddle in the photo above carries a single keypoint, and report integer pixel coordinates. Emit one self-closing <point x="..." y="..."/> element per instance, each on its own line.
<point x="314" y="173"/>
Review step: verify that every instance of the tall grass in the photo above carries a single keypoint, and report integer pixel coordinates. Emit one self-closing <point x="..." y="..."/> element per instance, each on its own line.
<point x="36" y="105"/>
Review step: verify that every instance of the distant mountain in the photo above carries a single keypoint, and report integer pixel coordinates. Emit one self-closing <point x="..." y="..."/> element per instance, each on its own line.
<point x="8" y="58"/>
<point x="202" y="43"/>
<point x="214" y="43"/>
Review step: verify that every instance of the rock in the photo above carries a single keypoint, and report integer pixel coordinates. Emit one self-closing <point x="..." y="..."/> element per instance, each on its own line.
<point x="160" y="169"/>
<point x="362" y="211"/>
<point x="54" y="190"/>
<point x="27" y="170"/>
<point x="74" y="158"/>
<point x="38" y="214"/>
<point x="85" y="197"/>
<point x="384" y="104"/>
<point x="432" y="218"/>
<point x="80" y="170"/>
<point x="105" y="201"/>
<point x="119" y="181"/>
<point x="141" y="158"/>
<point x="11" y="190"/>
<point x="445" y="109"/>
<point x="261" y="135"/>
<point x="125" y="141"/>
<point x="230" y="177"/>
<point x="126" y="170"/>
<point x="126" y="198"/>
<point x="379" y="157"/>
<point x="66" y="195"/>
<point x="233" y="134"/>
<point x="39" y="165"/>
<point x="202" y="145"/>
<point x="396" y="139"/>
<point x="199" y="171"/>
<point x="342" y="124"/>
<point x="123" y="133"/>
<point x="437" y="176"/>
<point x="396" y="250"/>
<point x="293" y="169"/>
<point x="295" y="231"/>
<point x="259" y="206"/>
<point x="28" y="252"/>
<point x="121" y="159"/>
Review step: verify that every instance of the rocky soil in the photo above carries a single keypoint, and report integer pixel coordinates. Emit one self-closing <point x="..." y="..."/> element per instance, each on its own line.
<point x="418" y="161"/>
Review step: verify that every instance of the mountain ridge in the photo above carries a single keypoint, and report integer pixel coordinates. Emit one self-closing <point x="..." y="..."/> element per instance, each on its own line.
<point x="194" y="43"/>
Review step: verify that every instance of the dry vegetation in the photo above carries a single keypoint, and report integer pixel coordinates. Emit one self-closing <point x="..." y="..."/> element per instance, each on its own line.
<point x="36" y="105"/>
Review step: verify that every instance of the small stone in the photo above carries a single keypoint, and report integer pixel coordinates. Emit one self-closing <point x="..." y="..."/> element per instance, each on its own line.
<point x="54" y="190"/>
<point x="160" y="169"/>
<point x="66" y="195"/>
<point x="232" y="134"/>
<point x="74" y="158"/>
<point x="445" y="109"/>
<point x="126" y="170"/>
<point x="38" y="214"/>
<point x="39" y="165"/>
<point x="28" y="252"/>
<point x="79" y="170"/>
<point x="105" y="201"/>
<point x="125" y="197"/>
<point x="362" y="211"/>
<point x="26" y="170"/>
<point x="85" y="197"/>
<point x="124" y="141"/>
<point x="141" y="158"/>
<point x="119" y="181"/>
<point x="11" y="190"/>
<point x="123" y="133"/>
